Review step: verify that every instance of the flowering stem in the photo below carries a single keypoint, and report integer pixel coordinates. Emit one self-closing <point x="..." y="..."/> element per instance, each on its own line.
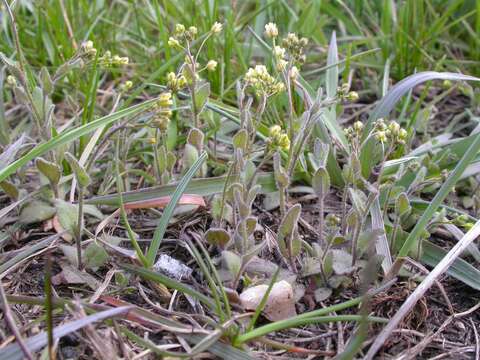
<point x="156" y="159"/>
<point x="283" y="205"/>
<point x="193" y="85"/>
<point x="78" y="235"/>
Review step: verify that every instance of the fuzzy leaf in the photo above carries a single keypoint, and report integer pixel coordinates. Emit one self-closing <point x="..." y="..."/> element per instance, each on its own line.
<point x="289" y="222"/>
<point x="80" y="174"/>
<point x="10" y="189"/>
<point x="359" y="200"/>
<point x="195" y="138"/>
<point x="217" y="236"/>
<point x="46" y="80"/>
<point x="232" y="261"/>
<point x="240" y="139"/>
<point x="190" y="156"/>
<point x="95" y="256"/>
<point x="342" y="262"/>
<point x="321" y="151"/>
<point x="202" y="92"/>
<point x="402" y="205"/>
<point x="36" y="211"/>
<point x="321" y="182"/>
<point x="52" y="171"/>
<point x="67" y="215"/>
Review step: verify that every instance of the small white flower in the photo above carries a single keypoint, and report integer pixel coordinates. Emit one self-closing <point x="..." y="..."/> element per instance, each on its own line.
<point x="211" y="65"/>
<point x="281" y="64"/>
<point x="279" y="52"/>
<point x="293" y="73"/>
<point x="88" y="45"/>
<point x="216" y="28"/>
<point x="11" y="80"/>
<point x="271" y="30"/>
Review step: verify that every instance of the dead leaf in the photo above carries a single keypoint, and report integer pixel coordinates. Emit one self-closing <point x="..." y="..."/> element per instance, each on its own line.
<point x="59" y="229"/>
<point x="71" y="275"/>
<point x="163" y="201"/>
<point x="322" y="294"/>
<point x="280" y="303"/>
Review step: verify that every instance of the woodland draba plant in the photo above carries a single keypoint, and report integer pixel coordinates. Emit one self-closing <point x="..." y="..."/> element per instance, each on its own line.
<point x="259" y="85"/>
<point x="35" y="92"/>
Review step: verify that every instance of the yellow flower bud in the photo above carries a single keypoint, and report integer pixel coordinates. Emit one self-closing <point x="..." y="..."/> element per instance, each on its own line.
<point x="279" y="87"/>
<point x="179" y="29"/>
<point x="182" y="81"/>
<point x="211" y="65"/>
<point x="394" y="127"/>
<point x="358" y="126"/>
<point x="172" y="42"/>
<point x="88" y="45"/>
<point x="165" y="99"/>
<point x="381" y="136"/>
<point x="284" y="142"/>
<point x="352" y="96"/>
<point x="11" y="80"/>
<point x="274" y="131"/>
<point x="279" y="52"/>
<point x="171" y="76"/>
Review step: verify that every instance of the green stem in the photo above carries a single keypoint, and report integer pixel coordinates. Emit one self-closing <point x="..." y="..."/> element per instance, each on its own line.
<point x="283" y="204"/>
<point x="155" y="158"/>
<point x="78" y="236"/>
<point x="300" y="321"/>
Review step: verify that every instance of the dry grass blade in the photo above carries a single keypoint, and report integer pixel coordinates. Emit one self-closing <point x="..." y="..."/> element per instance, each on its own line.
<point x="27" y="252"/>
<point x="421" y="289"/>
<point x="37" y="342"/>
<point x="381" y="243"/>
<point x="11" y="324"/>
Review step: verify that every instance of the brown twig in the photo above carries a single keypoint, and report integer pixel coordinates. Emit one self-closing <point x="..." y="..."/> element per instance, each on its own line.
<point x="67" y="24"/>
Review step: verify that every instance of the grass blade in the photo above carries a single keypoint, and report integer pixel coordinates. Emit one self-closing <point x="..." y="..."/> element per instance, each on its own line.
<point x="300" y="321"/>
<point x="330" y="116"/>
<point x="204" y="187"/>
<point x="168" y="212"/>
<point x="381" y="245"/>
<point x="25" y="253"/>
<point x="71" y="135"/>
<point x="332" y="72"/>
<point x="460" y="269"/>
